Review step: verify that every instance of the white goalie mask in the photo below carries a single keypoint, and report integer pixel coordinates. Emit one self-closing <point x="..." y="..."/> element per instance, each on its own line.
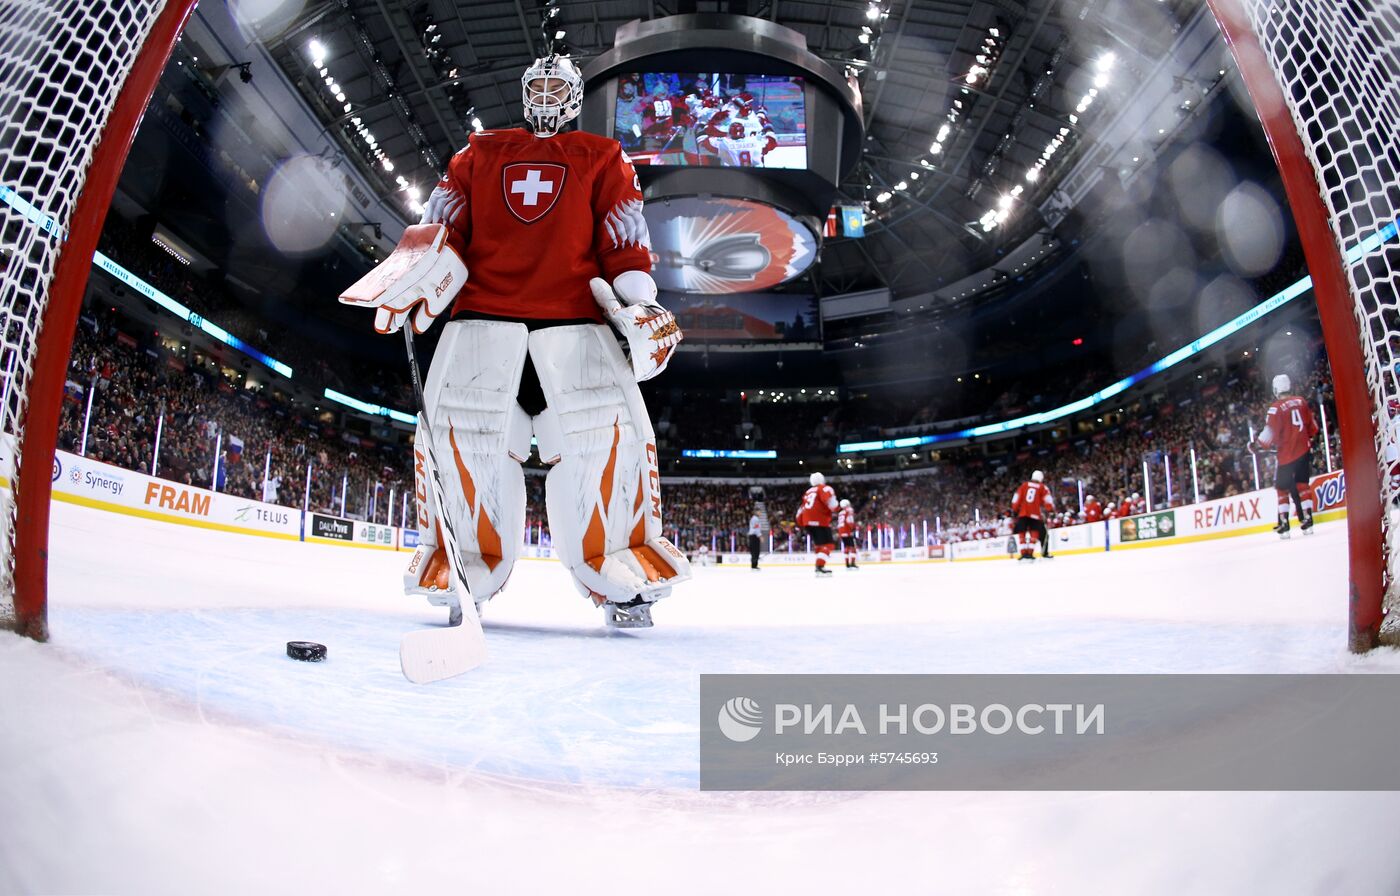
<point x="552" y="92"/>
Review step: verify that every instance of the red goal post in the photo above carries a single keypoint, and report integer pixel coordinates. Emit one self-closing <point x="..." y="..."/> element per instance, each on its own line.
<point x="75" y="78"/>
<point x="1324" y="78"/>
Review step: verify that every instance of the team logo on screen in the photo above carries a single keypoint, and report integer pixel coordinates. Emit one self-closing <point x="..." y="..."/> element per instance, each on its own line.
<point x="532" y="188"/>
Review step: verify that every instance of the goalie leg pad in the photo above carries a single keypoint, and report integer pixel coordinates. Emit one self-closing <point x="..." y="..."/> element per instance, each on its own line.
<point x="603" y="495"/>
<point x="480" y="429"/>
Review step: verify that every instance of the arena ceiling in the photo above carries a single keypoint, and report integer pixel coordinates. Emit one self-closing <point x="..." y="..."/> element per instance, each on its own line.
<point x="414" y="76"/>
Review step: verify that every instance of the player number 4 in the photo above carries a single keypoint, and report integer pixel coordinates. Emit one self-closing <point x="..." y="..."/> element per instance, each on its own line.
<point x="1298" y="420"/>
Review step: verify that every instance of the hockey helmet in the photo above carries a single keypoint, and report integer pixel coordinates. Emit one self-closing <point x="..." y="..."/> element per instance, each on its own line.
<point x="552" y="92"/>
<point x="817" y="479"/>
<point x="736" y="130"/>
<point x="1037" y="476"/>
<point x="845" y="503"/>
<point x="1282" y="384"/>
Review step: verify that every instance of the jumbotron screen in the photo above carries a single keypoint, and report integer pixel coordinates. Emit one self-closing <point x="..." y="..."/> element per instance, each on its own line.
<point x="725" y="120"/>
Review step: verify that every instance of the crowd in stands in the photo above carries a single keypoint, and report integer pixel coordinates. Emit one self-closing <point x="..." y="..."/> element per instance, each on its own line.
<point x="967" y="492"/>
<point x="199" y="410"/>
<point x="964" y="493"/>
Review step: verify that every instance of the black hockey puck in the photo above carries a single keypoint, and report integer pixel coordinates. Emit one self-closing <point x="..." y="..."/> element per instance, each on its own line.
<point x="308" y="651"/>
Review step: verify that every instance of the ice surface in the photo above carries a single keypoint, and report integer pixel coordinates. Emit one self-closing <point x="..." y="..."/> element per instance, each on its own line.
<point x="163" y="742"/>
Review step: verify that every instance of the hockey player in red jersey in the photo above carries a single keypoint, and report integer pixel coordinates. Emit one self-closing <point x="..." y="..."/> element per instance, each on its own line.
<point x="818" y="506"/>
<point x="1093" y="510"/>
<point x="739" y="133"/>
<point x="535" y="238"/>
<point x="846" y="531"/>
<point x="1031" y="500"/>
<point x="1290" y="428"/>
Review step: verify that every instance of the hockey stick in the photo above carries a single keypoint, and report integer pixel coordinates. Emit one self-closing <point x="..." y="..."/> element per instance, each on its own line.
<point x="437" y="653"/>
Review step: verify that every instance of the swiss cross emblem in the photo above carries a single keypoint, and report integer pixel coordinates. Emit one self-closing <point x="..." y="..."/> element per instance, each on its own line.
<point x="532" y="188"/>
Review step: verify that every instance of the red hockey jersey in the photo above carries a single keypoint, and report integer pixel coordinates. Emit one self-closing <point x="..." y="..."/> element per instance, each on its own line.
<point x="1093" y="511"/>
<point x="846" y="522"/>
<point x="1290" y="428"/>
<point x="818" y="504"/>
<point x="534" y="218"/>
<point x="1031" y="499"/>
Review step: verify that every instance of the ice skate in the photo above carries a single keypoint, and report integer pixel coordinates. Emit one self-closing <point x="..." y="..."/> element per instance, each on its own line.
<point x="1282" y="529"/>
<point x="823" y="572"/>
<point x="635" y="613"/>
<point x="434" y="584"/>
<point x="1307" y="525"/>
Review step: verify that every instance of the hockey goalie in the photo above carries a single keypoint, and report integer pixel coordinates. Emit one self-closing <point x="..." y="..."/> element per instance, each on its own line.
<point x="534" y="238"/>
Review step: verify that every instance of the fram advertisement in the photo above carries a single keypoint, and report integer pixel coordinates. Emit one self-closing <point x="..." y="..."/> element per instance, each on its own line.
<point x="91" y="482"/>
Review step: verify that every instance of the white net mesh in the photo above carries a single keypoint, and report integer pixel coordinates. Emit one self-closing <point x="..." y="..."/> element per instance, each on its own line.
<point x="62" y="64"/>
<point x="1338" y="64"/>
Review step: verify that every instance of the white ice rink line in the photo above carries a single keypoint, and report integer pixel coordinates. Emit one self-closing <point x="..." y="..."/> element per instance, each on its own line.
<point x="162" y="742"/>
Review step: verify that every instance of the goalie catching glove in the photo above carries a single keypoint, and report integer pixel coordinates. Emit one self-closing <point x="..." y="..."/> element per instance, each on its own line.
<point x="651" y="331"/>
<point x="420" y="278"/>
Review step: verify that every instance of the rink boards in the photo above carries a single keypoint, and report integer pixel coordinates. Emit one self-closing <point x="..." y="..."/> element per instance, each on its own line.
<point x="90" y="483"/>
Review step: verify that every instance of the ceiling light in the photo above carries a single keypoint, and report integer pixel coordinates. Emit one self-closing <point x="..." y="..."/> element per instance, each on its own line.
<point x="902" y="185"/>
<point x="1033" y="175"/>
<point x="388" y="165"/>
<point x="317" y="51"/>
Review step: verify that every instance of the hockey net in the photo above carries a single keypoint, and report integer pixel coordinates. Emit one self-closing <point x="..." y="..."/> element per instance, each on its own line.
<point x="75" y="76"/>
<point x="1330" y="72"/>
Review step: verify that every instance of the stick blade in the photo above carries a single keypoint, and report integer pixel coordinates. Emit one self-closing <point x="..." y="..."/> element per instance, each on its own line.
<point x="433" y="654"/>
